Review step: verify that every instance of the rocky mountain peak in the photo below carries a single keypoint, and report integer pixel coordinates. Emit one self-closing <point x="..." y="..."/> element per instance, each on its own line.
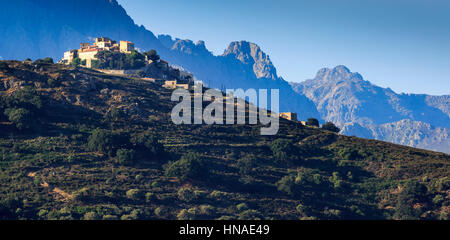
<point x="251" y="54"/>
<point x="338" y="73"/>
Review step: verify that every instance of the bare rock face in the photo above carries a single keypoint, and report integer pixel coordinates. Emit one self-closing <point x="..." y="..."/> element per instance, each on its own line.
<point x="251" y="54"/>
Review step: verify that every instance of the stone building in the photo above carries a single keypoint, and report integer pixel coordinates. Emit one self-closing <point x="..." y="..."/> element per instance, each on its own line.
<point x="87" y="52"/>
<point x="126" y="46"/>
<point x="289" y="116"/>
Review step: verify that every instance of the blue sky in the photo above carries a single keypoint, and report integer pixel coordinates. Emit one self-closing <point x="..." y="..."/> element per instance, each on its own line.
<point x="401" y="44"/>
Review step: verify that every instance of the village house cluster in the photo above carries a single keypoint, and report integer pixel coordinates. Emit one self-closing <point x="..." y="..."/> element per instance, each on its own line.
<point x="175" y="78"/>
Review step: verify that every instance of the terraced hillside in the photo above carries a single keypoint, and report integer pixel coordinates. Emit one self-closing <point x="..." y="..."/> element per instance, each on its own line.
<point x="79" y="144"/>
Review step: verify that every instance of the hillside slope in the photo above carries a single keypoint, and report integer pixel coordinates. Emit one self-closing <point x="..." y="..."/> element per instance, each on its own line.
<point x="103" y="147"/>
<point x="363" y="109"/>
<point x="48" y="28"/>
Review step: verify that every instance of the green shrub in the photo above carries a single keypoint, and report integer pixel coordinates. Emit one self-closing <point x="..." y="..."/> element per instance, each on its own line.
<point x="76" y="62"/>
<point x="301" y="208"/>
<point x="337" y="181"/>
<point x="125" y="156"/>
<point x="443" y="184"/>
<point x="242" y="207"/>
<point x="246" y="164"/>
<point x="101" y="140"/>
<point x="219" y="195"/>
<point x="413" y="192"/>
<point x="207" y="210"/>
<point x="152" y="55"/>
<point x="149" y="145"/>
<point x="115" y="114"/>
<point x="287" y="185"/>
<point x="187" y="195"/>
<point x="312" y="218"/>
<point x="3" y="65"/>
<point x="91" y="216"/>
<point x="329" y="126"/>
<point x="150" y="197"/>
<point x="348" y="154"/>
<point x="110" y="217"/>
<point x="27" y="97"/>
<point x="48" y="60"/>
<point x="357" y="210"/>
<point x="438" y="199"/>
<point x="106" y="141"/>
<point x="333" y="213"/>
<point x="305" y="176"/>
<point x="160" y="211"/>
<point x="82" y="194"/>
<point x="156" y="184"/>
<point x="20" y="117"/>
<point x="283" y="150"/>
<point x="250" y="215"/>
<point x="134" y="194"/>
<point x="312" y="122"/>
<point x="128" y="217"/>
<point x="138" y="177"/>
<point x="185" y="215"/>
<point x="42" y="213"/>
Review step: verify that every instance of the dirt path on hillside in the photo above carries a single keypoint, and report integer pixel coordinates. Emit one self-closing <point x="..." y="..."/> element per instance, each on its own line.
<point x="57" y="193"/>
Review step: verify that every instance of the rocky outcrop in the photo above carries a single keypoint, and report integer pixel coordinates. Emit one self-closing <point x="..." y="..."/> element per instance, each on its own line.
<point x="252" y="55"/>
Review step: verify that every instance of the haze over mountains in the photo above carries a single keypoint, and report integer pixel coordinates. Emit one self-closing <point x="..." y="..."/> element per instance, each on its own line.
<point x="365" y="110"/>
<point x="37" y="29"/>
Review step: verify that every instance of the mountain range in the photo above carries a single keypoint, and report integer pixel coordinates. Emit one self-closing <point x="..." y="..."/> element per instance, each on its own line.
<point x="365" y="110"/>
<point x="31" y="29"/>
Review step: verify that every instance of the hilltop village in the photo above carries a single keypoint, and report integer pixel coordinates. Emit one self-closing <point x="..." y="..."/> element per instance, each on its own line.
<point x="121" y="58"/>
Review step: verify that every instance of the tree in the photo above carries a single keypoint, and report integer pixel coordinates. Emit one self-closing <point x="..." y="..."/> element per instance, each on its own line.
<point x="190" y="166"/>
<point x="152" y="55"/>
<point x="187" y="195"/>
<point x="287" y="185"/>
<point x="48" y="60"/>
<point x="20" y="117"/>
<point x="134" y="60"/>
<point x="91" y="216"/>
<point x="246" y="164"/>
<point x="283" y="150"/>
<point x="312" y="122"/>
<point x="118" y="60"/>
<point x="106" y="141"/>
<point x="115" y="114"/>
<point x="135" y="194"/>
<point x="330" y="127"/>
<point x="149" y="144"/>
<point x="76" y="62"/>
<point x="413" y="192"/>
<point x="27" y="97"/>
<point x="3" y="65"/>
